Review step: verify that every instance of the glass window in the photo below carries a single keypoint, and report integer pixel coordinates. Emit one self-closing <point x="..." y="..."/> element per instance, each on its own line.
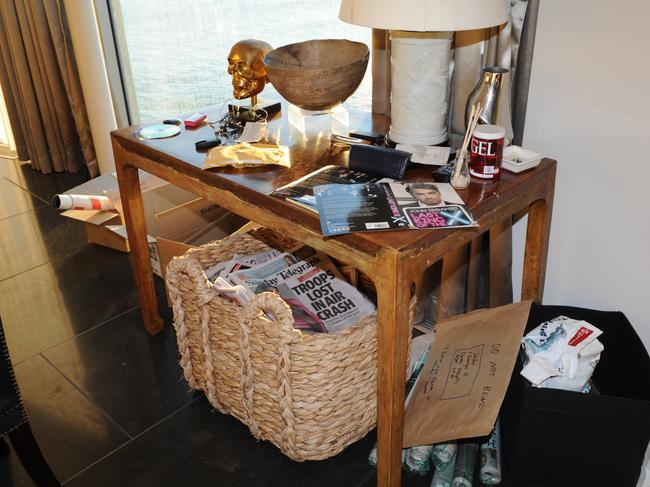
<point x="173" y="53"/>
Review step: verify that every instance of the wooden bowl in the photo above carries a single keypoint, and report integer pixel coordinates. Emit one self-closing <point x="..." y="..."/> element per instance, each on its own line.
<point x="317" y="74"/>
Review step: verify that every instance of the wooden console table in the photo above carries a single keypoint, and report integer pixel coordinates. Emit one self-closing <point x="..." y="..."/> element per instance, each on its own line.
<point x="393" y="260"/>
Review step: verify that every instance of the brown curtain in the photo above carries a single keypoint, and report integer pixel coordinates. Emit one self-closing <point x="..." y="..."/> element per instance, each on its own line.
<point x="41" y="84"/>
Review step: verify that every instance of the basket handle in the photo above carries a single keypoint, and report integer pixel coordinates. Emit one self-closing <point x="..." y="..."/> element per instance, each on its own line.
<point x="186" y="265"/>
<point x="274" y="306"/>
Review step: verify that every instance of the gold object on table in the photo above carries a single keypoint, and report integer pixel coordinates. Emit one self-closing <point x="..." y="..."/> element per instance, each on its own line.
<point x="245" y="64"/>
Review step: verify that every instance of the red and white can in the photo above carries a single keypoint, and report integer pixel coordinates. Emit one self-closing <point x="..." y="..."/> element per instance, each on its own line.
<point x="486" y="151"/>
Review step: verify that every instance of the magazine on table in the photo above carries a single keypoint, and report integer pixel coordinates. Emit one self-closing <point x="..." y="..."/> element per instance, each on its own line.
<point x="389" y="206"/>
<point x="301" y="191"/>
<point x="312" y="286"/>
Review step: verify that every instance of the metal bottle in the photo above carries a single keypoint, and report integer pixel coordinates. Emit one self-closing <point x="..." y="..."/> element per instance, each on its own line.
<point x="487" y="93"/>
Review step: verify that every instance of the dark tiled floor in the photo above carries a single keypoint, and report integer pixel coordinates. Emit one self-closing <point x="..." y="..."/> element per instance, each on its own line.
<point x="15" y="200"/>
<point x="72" y="431"/>
<point x="33" y="238"/>
<point x="56" y="301"/>
<point x="198" y="446"/>
<point x="135" y="377"/>
<point x="43" y="187"/>
<point x="107" y="401"/>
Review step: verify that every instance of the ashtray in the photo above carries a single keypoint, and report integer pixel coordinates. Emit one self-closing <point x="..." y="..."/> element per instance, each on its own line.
<point x="518" y="159"/>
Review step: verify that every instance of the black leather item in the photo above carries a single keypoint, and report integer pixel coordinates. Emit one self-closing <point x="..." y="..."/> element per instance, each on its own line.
<point x="13" y="421"/>
<point x="443" y="173"/>
<point x="380" y="161"/>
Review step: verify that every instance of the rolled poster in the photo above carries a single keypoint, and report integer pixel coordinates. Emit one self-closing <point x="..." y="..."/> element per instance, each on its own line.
<point x="82" y="202"/>
<point x="465" y="462"/>
<point x="443" y="477"/>
<point x="442" y="454"/>
<point x="491" y="458"/>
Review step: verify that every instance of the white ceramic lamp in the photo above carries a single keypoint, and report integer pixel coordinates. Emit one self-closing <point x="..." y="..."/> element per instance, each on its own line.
<point x="420" y="32"/>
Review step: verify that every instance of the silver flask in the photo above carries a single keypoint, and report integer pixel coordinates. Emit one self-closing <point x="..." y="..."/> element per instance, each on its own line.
<point x="487" y="93"/>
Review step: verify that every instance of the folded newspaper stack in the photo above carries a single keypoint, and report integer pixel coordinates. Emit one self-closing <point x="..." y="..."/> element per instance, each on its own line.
<point x="308" y="281"/>
<point x="562" y="354"/>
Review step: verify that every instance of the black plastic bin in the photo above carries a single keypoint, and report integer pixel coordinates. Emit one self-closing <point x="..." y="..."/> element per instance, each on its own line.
<point x="561" y="438"/>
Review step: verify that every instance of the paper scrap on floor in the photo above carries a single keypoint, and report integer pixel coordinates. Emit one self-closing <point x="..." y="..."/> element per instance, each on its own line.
<point x="247" y="155"/>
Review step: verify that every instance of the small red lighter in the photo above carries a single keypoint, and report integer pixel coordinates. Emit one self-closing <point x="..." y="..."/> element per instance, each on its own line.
<point x="195" y="120"/>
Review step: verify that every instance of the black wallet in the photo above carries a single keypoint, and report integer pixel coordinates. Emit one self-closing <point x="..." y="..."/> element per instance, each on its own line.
<point x="381" y="161"/>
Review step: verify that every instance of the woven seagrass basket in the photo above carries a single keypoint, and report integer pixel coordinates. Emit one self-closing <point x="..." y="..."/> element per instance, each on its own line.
<point x="309" y="394"/>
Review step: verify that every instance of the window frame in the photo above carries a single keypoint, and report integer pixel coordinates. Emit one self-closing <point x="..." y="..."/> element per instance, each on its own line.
<point x="119" y="76"/>
<point x="123" y="103"/>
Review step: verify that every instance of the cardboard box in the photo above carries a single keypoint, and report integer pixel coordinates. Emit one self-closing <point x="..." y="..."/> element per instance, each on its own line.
<point x="97" y="231"/>
<point x="186" y="226"/>
<point x="157" y="196"/>
<point x="96" y="221"/>
<point x="176" y="219"/>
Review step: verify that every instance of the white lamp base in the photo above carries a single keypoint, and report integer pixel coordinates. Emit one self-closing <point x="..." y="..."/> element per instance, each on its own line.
<point x="419" y="81"/>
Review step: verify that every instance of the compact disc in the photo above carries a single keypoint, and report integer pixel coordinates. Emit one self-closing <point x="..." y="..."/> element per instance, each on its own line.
<point x="159" y="131"/>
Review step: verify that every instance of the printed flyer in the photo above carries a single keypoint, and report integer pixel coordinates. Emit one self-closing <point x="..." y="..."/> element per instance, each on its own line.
<point x="389" y="206"/>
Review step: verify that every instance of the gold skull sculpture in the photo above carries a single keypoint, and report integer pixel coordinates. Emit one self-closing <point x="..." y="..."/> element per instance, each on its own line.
<point x="245" y="64"/>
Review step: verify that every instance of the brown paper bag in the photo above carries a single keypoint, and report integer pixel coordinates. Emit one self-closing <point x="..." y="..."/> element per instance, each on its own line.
<point x="460" y="389"/>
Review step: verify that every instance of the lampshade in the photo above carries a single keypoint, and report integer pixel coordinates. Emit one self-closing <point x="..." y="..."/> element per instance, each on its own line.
<point x="424" y="15"/>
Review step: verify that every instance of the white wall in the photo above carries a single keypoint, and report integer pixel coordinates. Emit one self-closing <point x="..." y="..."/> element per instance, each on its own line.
<point x="588" y="106"/>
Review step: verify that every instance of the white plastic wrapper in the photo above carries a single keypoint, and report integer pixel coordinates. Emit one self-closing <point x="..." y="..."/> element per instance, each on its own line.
<point x="562" y="354"/>
<point x="238" y="294"/>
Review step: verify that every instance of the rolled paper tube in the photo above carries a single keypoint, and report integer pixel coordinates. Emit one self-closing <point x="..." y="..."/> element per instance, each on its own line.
<point x="82" y="202"/>
<point x="466" y="455"/>
<point x="372" y="458"/>
<point x="442" y="454"/>
<point x="490" y="473"/>
<point x="443" y="477"/>
<point x="417" y="459"/>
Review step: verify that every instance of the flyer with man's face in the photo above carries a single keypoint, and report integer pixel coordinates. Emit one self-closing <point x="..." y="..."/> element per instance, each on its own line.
<point x="389" y="206"/>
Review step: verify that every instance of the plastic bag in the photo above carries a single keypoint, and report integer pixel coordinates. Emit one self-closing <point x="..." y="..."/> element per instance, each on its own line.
<point x="562" y="354"/>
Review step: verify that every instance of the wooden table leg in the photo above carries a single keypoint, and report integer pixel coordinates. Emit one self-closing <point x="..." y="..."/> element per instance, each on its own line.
<point x="453" y="283"/>
<point x="139" y="250"/>
<point x="537" y="238"/>
<point x="500" y="236"/>
<point x="393" y="296"/>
